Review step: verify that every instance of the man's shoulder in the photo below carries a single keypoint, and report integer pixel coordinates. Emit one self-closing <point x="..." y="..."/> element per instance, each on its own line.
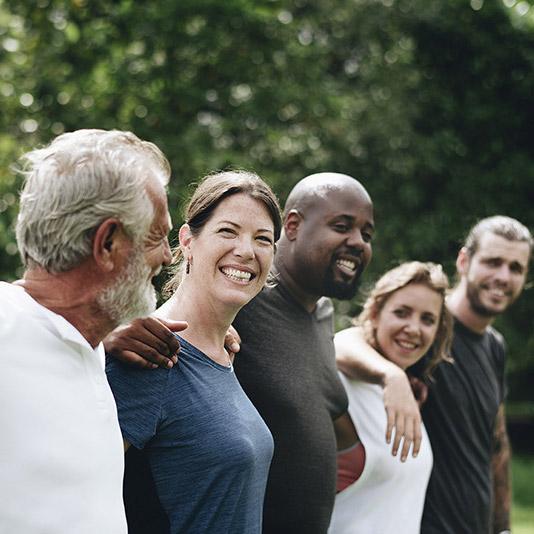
<point x="276" y="304"/>
<point x="324" y="308"/>
<point x="10" y="292"/>
<point x="13" y="300"/>
<point x="271" y="300"/>
<point x="495" y="335"/>
<point x="491" y="338"/>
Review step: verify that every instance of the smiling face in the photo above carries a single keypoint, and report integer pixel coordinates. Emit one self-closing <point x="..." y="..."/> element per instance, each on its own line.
<point x="333" y="245"/>
<point x="495" y="275"/>
<point x="132" y="294"/>
<point x="406" y="326"/>
<point x="231" y="256"/>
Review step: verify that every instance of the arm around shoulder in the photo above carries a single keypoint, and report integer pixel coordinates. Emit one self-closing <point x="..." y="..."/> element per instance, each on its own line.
<point x="357" y="359"/>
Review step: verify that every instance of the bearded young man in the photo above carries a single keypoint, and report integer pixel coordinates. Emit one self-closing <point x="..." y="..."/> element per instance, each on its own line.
<point x="92" y="232"/>
<point x="469" y="489"/>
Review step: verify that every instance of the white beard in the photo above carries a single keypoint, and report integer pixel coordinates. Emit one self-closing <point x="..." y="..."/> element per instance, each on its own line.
<point x="132" y="294"/>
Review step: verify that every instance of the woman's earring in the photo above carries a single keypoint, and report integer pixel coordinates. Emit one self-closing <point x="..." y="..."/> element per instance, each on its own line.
<point x="187" y="267"/>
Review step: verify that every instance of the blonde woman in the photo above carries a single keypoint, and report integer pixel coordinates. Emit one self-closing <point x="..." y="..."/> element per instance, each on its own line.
<point x="404" y="318"/>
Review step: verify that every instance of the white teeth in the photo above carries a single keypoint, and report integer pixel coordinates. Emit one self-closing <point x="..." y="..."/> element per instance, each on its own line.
<point x="347" y="264"/>
<point x="240" y="276"/>
<point x="407" y="344"/>
<point x="498" y="292"/>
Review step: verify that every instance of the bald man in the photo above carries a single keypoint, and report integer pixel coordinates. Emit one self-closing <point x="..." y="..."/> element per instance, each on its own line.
<point x="286" y="364"/>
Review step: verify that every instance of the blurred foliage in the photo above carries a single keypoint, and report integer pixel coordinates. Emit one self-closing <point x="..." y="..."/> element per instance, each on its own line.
<point x="428" y="103"/>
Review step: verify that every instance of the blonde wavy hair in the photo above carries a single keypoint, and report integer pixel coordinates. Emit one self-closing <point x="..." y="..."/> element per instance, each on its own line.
<point x="415" y="272"/>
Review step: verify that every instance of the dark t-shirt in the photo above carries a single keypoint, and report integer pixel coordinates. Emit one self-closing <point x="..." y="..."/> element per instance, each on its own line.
<point x="207" y="447"/>
<point x="459" y="416"/>
<point x="287" y="368"/>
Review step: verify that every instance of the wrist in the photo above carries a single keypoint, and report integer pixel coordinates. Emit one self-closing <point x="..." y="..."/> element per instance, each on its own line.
<point x="392" y="373"/>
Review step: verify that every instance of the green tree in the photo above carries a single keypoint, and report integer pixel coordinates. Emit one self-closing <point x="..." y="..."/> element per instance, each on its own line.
<point x="428" y="103"/>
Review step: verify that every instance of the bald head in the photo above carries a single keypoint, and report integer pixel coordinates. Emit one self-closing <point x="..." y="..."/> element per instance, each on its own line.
<point x="316" y="188"/>
<point x="326" y="243"/>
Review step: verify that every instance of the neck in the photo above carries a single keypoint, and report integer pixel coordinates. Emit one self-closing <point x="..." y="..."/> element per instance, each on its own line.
<point x="73" y="296"/>
<point x="288" y="280"/>
<point x="207" y="321"/>
<point x="459" y="305"/>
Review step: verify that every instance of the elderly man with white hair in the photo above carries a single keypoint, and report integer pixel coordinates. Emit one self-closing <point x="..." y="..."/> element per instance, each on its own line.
<point x="92" y="232"/>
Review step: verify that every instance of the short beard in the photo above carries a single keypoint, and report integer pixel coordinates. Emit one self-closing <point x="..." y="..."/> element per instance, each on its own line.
<point x="341" y="290"/>
<point x="476" y="303"/>
<point x="132" y="294"/>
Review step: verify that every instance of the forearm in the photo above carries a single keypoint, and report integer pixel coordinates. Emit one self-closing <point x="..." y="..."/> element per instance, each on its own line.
<point x="357" y="359"/>
<point x="502" y="491"/>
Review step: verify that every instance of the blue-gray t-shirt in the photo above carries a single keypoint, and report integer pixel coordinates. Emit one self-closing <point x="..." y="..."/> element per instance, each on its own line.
<point x="208" y="449"/>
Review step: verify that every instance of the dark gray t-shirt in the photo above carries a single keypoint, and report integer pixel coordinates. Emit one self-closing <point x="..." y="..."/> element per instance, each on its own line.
<point x="207" y="447"/>
<point x="459" y="416"/>
<point x="287" y="368"/>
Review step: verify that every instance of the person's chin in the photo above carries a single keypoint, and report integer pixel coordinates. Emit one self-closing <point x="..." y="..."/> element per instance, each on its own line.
<point x="342" y="290"/>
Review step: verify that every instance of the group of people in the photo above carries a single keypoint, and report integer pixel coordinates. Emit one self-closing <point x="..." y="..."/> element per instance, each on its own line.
<point x="233" y="408"/>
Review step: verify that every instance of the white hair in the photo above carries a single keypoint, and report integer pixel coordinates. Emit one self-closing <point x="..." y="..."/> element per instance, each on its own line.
<point x="81" y="179"/>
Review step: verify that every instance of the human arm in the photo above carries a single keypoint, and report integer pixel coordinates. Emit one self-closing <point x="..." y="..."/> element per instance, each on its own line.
<point x="502" y="492"/>
<point x="357" y="359"/>
<point x="149" y="343"/>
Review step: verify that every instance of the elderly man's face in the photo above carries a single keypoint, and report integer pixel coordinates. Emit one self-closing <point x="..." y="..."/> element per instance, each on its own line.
<point x="132" y="294"/>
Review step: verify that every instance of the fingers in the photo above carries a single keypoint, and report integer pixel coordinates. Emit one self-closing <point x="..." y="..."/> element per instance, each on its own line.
<point x="391" y="424"/>
<point x="408" y="432"/>
<point x="399" y="433"/>
<point x="174" y="326"/>
<point x="232" y="341"/>
<point x="408" y="440"/>
<point x="418" y="438"/>
<point x="144" y="342"/>
<point x="403" y="416"/>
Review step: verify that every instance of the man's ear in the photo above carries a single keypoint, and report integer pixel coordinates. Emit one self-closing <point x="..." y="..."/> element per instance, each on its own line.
<point x="292" y="224"/>
<point x="462" y="262"/>
<point x="108" y="241"/>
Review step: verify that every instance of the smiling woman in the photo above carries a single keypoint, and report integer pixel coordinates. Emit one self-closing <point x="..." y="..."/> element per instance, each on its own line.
<point x="207" y="447"/>
<point x="404" y="318"/>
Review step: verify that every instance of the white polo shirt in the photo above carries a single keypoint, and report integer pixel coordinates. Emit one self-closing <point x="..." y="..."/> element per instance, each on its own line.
<point x="61" y="452"/>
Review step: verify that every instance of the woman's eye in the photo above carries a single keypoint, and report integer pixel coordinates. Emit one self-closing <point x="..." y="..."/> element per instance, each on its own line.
<point x="400" y="313"/>
<point x="226" y="231"/>
<point x="265" y="239"/>
<point x="429" y="320"/>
